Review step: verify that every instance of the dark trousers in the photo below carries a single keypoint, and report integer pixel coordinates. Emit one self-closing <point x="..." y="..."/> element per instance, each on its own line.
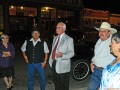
<point x="61" y="81"/>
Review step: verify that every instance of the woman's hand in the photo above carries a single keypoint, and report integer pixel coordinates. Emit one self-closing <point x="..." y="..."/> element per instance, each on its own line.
<point x="6" y="54"/>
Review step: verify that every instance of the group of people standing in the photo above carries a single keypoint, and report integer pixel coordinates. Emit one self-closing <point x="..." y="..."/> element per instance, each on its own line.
<point x="36" y="53"/>
<point x="105" y="64"/>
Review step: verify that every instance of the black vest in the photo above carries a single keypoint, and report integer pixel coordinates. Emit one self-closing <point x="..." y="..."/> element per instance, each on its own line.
<point x="35" y="53"/>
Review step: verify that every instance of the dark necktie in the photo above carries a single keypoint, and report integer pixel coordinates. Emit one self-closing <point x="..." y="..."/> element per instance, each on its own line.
<point x="54" y="50"/>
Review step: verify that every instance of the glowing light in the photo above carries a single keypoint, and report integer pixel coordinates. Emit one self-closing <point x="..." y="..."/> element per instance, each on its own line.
<point x="46" y="8"/>
<point x="12" y="7"/>
<point x="22" y="7"/>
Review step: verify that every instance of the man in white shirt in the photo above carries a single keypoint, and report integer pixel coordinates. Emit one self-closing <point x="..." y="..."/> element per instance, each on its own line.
<point x="102" y="56"/>
<point x="35" y="52"/>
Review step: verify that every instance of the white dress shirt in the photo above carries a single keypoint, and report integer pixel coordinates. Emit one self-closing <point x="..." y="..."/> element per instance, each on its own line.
<point x="59" y="41"/>
<point x="60" y="38"/>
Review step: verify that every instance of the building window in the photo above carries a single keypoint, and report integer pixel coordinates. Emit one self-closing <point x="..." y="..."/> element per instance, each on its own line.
<point x="65" y="14"/>
<point x="22" y="11"/>
<point x="69" y="17"/>
<point x="48" y="12"/>
<point x="1" y="19"/>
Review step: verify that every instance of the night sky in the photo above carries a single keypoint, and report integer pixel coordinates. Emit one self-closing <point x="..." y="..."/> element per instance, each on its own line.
<point x="110" y="5"/>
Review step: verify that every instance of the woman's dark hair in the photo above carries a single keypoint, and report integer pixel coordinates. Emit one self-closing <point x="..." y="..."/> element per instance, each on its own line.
<point x="116" y="37"/>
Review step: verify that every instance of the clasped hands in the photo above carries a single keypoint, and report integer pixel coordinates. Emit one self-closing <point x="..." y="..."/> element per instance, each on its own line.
<point x="6" y="54"/>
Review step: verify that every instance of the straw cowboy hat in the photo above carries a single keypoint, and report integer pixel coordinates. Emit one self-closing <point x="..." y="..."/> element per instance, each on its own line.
<point x="106" y="25"/>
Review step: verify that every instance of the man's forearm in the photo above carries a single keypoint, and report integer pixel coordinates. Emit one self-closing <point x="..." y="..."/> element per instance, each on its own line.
<point x="23" y="54"/>
<point x="25" y="57"/>
<point x="46" y="57"/>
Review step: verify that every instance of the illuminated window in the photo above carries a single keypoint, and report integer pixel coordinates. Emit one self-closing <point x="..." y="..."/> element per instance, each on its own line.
<point x="22" y="11"/>
<point x="48" y="12"/>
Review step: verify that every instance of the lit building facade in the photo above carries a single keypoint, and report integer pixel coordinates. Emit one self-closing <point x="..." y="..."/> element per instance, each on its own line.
<point x="94" y="18"/>
<point x="19" y="16"/>
<point x="114" y="19"/>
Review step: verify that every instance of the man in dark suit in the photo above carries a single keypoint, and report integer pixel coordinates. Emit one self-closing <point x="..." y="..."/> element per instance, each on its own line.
<point x="62" y="51"/>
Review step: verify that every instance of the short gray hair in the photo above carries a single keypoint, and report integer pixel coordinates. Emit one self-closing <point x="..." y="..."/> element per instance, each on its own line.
<point x="64" y="25"/>
<point x="116" y="37"/>
<point x="3" y="35"/>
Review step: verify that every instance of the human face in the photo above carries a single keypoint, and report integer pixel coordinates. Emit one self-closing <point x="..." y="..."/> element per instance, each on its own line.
<point x="104" y="34"/>
<point x="35" y="35"/>
<point x="60" y="29"/>
<point x="5" y="39"/>
<point x="115" y="47"/>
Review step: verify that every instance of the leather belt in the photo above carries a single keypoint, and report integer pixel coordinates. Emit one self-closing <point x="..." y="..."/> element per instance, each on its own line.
<point x="101" y="68"/>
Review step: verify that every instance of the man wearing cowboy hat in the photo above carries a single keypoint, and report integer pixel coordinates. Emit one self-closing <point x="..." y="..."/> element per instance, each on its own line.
<point x="102" y="56"/>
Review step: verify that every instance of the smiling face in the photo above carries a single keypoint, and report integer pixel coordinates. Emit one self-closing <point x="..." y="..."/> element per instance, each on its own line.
<point x="104" y="34"/>
<point x="115" y="47"/>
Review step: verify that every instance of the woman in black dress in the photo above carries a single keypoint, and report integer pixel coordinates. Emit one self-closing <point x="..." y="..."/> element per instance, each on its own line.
<point x="7" y="53"/>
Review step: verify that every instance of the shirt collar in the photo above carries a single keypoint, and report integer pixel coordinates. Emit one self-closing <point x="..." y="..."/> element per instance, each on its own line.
<point x="61" y="35"/>
<point x="36" y="41"/>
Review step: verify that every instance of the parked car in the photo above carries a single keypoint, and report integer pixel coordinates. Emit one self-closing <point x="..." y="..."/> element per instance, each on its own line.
<point x="83" y="54"/>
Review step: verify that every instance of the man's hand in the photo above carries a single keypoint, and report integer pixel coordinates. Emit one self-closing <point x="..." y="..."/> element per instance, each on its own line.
<point x="43" y="64"/>
<point x="92" y="67"/>
<point x="59" y="54"/>
<point x="26" y="58"/>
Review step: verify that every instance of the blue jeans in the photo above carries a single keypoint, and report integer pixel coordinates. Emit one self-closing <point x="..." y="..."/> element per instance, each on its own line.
<point x="95" y="79"/>
<point x="32" y="68"/>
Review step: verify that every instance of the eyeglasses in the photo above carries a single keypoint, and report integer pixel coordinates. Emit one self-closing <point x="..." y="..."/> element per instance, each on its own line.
<point x="104" y="31"/>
